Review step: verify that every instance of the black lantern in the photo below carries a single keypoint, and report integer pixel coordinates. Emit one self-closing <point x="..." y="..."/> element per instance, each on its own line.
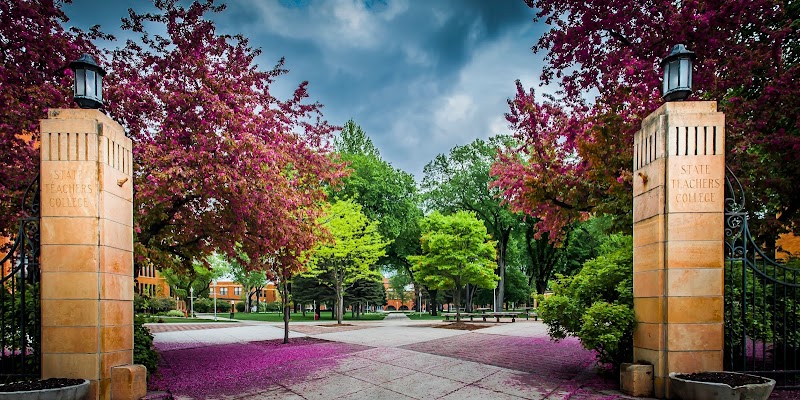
<point x="88" y="82"/>
<point x="677" y="73"/>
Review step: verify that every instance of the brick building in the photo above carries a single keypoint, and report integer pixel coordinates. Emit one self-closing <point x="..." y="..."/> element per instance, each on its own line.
<point x="393" y="299"/>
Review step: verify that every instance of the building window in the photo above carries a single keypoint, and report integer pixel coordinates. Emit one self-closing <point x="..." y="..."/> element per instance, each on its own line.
<point x="237" y="291"/>
<point x="223" y="291"/>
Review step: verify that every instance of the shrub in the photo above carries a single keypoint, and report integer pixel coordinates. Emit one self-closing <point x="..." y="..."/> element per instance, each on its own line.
<point x="16" y="336"/>
<point x="203" y="305"/>
<point x="240" y="306"/>
<point x="140" y="303"/>
<point x="143" y="351"/>
<point x="596" y="304"/>
<point x="273" y="306"/>
<point x="175" y="313"/>
<point x="222" y="306"/>
<point x="161" y="304"/>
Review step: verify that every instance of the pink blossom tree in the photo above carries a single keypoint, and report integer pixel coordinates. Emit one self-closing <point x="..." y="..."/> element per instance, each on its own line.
<point x="34" y="51"/>
<point x="748" y="55"/>
<point x="219" y="159"/>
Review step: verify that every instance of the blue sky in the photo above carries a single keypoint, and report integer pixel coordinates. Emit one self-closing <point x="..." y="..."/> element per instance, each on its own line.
<point x="419" y="76"/>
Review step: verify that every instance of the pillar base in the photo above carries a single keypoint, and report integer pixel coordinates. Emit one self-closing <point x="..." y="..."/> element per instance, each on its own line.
<point x="636" y="379"/>
<point x="128" y="382"/>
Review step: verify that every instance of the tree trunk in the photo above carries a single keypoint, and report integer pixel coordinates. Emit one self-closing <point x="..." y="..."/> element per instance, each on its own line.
<point x="541" y="286"/>
<point x="339" y="303"/>
<point x="502" y="248"/>
<point x="457" y="300"/>
<point x="285" y="301"/>
<point x="434" y="306"/>
<point x="470" y="297"/>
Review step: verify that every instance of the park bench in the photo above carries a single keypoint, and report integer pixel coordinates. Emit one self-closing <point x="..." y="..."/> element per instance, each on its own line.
<point x="464" y="316"/>
<point x="532" y="313"/>
<point x="498" y="315"/>
<point x="472" y="316"/>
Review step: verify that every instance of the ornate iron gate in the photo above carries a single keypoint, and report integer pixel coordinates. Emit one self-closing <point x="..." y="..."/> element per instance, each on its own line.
<point x="20" y="331"/>
<point x="762" y="335"/>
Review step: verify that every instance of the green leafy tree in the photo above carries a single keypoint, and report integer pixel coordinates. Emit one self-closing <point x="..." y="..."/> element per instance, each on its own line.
<point x="363" y="292"/>
<point x="198" y="277"/>
<point x="517" y="289"/>
<point x="252" y="281"/>
<point x="460" y="181"/>
<point x="399" y="282"/>
<point x="353" y="140"/>
<point x="313" y="290"/>
<point x="539" y="256"/>
<point x="596" y="304"/>
<point x="456" y="251"/>
<point x="385" y="193"/>
<point x="354" y="248"/>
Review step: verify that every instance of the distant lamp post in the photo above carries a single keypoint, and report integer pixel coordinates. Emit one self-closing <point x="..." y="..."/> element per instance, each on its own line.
<point x="191" y="301"/>
<point x="215" y="300"/>
<point x="677" y="73"/>
<point x="88" y="89"/>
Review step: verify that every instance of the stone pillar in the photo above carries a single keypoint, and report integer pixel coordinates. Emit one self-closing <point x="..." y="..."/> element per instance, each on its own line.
<point x="86" y="247"/>
<point x="678" y="233"/>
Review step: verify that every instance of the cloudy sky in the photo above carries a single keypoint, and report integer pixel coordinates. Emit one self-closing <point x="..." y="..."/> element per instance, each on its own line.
<point x="419" y="76"/>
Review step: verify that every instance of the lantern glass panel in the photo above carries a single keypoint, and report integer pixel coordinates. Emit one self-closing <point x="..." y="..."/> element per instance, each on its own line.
<point x="684" y="81"/>
<point x="666" y="79"/>
<point x="90" y="83"/>
<point x="674" y="69"/>
<point x="80" y="84"/>
<point x="99" y="86"/>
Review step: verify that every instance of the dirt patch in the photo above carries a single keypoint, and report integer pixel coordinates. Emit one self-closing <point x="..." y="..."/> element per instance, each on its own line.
<point x="463" y="326"/>
<point x="52" y="383"/>
<point x="334" y="325"/>
<point x="732" y="380"/>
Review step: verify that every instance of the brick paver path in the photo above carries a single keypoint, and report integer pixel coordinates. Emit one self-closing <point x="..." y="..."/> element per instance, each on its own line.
<point x="159" y="328"/>
<point x="566" y="363"/>
<point x="324" y="328"/>
<point x="562" y="360"/>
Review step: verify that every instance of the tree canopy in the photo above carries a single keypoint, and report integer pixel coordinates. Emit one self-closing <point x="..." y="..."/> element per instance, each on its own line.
<point x="219" y="160"/>
<point x="456" y="251"/>
<point x="575" y="156"/>
<point x="461" y="181"/>
<point x="385" y="193"/>
<point x="36" y="50"/>
<point x="352" y="251"/>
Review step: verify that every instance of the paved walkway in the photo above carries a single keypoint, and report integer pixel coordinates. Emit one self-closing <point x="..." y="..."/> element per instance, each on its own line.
<point x="396" y="358"/>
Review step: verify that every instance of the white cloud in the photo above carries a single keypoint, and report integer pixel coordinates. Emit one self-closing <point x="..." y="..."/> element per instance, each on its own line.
<point x="335" y="25"/>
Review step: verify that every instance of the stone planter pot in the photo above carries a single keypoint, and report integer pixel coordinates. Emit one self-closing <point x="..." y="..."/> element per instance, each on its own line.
<point x="686" y="389"/>
<point x="74" y="392"/>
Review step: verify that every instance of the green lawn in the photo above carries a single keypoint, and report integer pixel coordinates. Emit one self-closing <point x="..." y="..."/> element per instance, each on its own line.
<point x="178" y="320"/>
<point x="425" y="316"/>
<point x="298" y="317"/>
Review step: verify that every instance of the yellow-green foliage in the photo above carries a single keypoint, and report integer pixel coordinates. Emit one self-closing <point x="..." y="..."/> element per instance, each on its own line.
<point x="456" y="250"/>
<point x="355" y="245"/>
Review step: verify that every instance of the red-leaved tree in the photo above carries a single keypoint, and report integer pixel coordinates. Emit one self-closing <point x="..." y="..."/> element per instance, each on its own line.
<point x="218" y="159"/>
<point x="747" y="60"/>
<point x="34" y="52"/>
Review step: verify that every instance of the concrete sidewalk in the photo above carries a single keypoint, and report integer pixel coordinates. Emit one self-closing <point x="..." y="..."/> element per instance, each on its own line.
<point x="396" y="358"/>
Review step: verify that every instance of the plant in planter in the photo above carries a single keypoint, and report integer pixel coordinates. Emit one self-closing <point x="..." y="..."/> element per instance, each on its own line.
<point x="720" y="385"/>
<point x="53" y="388"/>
